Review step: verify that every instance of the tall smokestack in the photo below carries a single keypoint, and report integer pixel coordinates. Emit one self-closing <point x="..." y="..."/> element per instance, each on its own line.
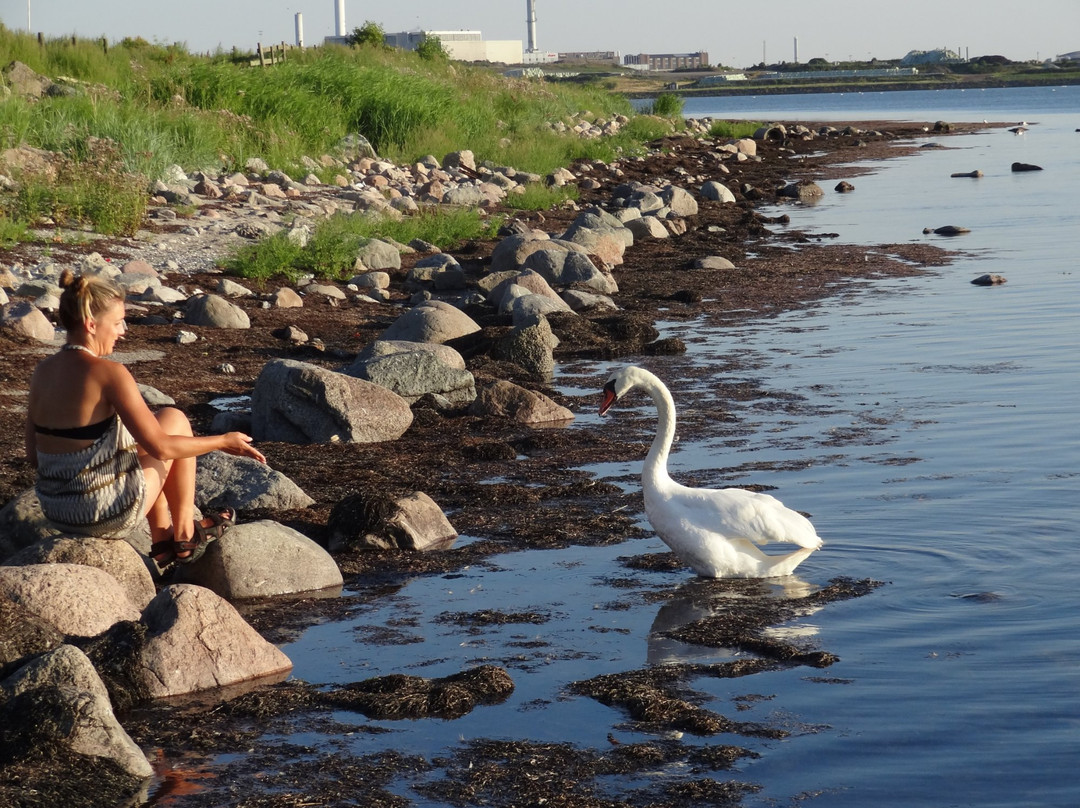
<point x="796" y="50"/>
<point x="299" y="30"/>
<point x="339" y="17"/>
<point x="531" y="14"/>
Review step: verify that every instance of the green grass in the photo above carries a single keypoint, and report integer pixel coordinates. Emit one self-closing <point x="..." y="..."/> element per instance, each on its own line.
<point x="733" y="129"/>
<point x="332" y="248"/>
<point x="155" y="106"/>
<point x="12" y="231"/>
<point x="541" y="197"/>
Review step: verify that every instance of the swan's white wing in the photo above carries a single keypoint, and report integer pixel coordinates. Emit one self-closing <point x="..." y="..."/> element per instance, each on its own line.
<point x="735" y="513"/>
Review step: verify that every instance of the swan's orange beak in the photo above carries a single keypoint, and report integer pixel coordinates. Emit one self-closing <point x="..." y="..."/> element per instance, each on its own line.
<point x="608" y="399"/>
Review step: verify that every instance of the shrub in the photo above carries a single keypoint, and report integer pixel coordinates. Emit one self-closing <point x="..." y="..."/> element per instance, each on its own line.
<point x="431" y="49"/>
<point x="370" y="34"/>
<point x="668" y="105"/>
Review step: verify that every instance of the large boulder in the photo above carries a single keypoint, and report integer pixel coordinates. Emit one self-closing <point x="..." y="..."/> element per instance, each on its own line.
<point x="681" y="201"/>
<point x="379" y="254"/>
<point x="562" y="263"/>
<point x="647" y="227"/>
<point x="22" y="524"/>
<point x="529" y="281"/>
<point x="262" y="559"/>
<point x="58" y="701"/>
<point x="380" y="522"/>
<point x="77" y="600"/>
<point x="214" y="311"/>
<point x="511" y="252"/>
<point x="23" y="319"/>
<point x="802" y="190"/>
<point x="387" y="347"/>
<point x="297" y="402"/>
<point x="717" y="192"/>
<point x="25" y="82"/>
<point x="22" y="635"/>
<point x="197" y="641"/>
<point x="508" y="400"/>
<point x="118" y="558"/>
<point x="606" y="238"/>
<point x="431" y="321"/>
<point x="530" y="348"/>
<point x="413" y="374"/>
<point x="528" y="309"/>
<point x="226" y="481"/>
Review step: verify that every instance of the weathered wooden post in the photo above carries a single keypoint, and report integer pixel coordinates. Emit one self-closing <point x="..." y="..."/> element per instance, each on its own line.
<point x="262" y="58"/>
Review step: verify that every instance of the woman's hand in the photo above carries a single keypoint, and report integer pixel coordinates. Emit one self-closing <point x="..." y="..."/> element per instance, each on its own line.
<point x="237" y="443"/>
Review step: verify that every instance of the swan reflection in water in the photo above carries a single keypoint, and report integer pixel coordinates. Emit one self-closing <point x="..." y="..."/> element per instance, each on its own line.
<point x="702" y="599"/>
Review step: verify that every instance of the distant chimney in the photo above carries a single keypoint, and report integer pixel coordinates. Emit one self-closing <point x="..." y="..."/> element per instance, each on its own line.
<point x="299" y="30"/>
<point x="339" y="17"/>
<point x="796" y="50"/>
<point x="531" y="14"/>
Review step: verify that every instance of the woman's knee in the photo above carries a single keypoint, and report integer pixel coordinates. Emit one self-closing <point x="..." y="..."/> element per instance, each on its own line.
<point x="173" y="421"/>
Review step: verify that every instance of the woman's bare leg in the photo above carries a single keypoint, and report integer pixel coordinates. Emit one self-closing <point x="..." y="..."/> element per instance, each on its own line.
<point x="170" y="484"/>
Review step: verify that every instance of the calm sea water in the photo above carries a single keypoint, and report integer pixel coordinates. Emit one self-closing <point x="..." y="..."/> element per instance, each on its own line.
<point x="939" y="451"/>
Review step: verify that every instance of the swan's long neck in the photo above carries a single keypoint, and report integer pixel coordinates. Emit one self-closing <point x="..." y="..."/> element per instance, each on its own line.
<point x="655" y="468"/>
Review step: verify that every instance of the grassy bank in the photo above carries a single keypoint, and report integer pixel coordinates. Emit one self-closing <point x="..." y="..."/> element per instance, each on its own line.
<point x="127" y="111"/>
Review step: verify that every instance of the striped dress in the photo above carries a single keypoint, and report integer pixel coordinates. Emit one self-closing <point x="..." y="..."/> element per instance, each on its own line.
<point x="97" y="491"/>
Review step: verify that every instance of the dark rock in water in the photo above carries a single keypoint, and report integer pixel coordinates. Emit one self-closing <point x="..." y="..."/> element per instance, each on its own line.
<point x="1025" y="167"/>
<point x="989" y="280"/>
<point x="687" y="296"/>
<point x="803" y="190"/>
<point x="947" y="230"/>
<point x="844" y="187"/>
<point x="668" y="346"/>
<point x="976" y="174"/>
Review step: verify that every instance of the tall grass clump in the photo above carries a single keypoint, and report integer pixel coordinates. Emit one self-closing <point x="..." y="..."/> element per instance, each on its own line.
<point x="89" y="187"/>
<point x="542" y="197"/>
<point x="733" y="129"/>
<point x="667" y="105"/>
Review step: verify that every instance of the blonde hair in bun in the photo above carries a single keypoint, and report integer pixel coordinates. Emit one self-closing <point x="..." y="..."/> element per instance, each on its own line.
<point x="85" y="297"/>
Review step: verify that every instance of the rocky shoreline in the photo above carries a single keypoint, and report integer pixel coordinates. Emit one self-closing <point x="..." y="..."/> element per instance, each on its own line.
<point x="691" y="254"/>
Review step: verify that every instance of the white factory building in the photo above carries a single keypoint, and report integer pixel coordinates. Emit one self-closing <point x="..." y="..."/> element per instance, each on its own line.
<point x="463" y="46"/>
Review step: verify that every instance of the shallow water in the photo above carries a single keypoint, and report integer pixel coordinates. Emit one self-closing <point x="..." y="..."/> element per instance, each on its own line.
<point x="938" y="451"/>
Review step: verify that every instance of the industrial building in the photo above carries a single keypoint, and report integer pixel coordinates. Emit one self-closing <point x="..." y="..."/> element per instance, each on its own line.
<point x="463" y="46"/>
<point x="666" y="61"/>
<point x="601" y="57"/>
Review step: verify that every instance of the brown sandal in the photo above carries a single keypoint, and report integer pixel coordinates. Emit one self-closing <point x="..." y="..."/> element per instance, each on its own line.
<point x="204" y="534"/>
<point x="163" y="552"/>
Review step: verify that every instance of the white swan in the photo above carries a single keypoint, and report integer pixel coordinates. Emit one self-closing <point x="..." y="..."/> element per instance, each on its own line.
<point x="715" y="531"/>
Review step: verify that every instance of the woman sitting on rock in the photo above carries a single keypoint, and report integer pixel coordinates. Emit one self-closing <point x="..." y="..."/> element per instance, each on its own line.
<point x="103" y="459"/>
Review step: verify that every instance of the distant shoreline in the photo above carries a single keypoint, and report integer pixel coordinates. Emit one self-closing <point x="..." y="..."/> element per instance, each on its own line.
<point x="804" y="87"/>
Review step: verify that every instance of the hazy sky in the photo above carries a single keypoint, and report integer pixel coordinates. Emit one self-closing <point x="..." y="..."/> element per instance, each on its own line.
<point x="734" y="34"/>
